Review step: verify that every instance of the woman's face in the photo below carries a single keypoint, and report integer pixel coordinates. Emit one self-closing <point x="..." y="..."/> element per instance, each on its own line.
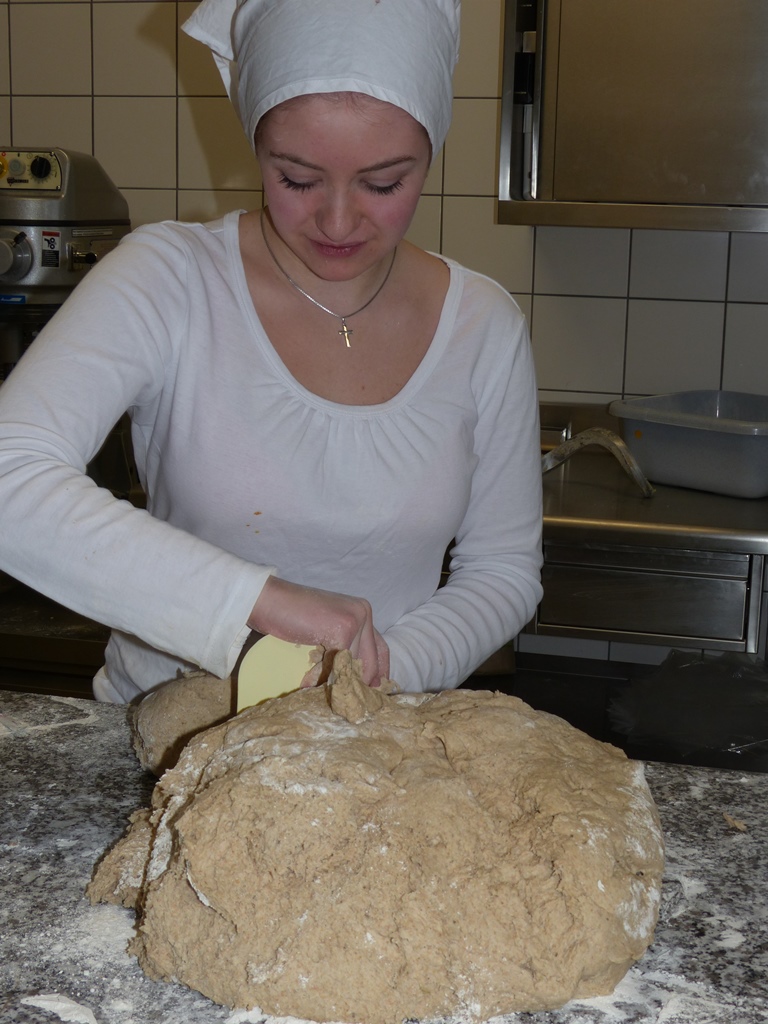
<point x="342" y="176"/>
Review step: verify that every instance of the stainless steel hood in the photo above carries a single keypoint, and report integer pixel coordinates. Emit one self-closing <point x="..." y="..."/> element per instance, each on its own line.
<point x="635" y="113"/>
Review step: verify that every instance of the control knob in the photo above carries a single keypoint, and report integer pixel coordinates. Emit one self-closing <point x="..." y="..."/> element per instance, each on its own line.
<point x="15" y="255"/>
<point x="40" y="167"/>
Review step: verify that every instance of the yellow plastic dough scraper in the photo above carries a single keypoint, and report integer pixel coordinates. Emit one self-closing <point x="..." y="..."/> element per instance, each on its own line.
<point x="271" y="667"/>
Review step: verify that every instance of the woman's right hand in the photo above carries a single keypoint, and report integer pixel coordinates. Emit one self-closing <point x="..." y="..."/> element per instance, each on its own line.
<point x="337" y="622"/>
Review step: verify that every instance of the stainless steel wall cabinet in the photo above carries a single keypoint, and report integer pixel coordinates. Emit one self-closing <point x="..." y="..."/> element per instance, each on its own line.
<point x="635" y="113"/>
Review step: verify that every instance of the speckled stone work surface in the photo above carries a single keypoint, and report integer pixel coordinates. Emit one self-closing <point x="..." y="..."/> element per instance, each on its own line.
<point x="69" y="781"/>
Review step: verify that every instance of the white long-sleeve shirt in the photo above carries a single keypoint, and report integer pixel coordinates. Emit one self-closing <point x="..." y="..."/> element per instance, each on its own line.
<point x="247" y="472"/>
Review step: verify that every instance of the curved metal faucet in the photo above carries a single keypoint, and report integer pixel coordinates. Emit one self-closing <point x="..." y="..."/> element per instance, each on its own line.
<point x="606" y="439"/>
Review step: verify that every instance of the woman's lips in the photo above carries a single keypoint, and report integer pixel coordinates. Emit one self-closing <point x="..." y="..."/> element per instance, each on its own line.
<point x="338" y="251"/>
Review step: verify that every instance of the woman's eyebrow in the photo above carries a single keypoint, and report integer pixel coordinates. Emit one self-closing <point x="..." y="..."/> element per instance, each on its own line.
<point x="386" y="164"/>
<point x="383" y="165"/>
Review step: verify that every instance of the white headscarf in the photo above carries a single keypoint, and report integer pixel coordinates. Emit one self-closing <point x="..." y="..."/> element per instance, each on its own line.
<point x="400" y="51"/>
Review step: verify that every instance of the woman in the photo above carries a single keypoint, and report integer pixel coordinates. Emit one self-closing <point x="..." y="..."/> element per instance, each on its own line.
<point x="319" y="408"/>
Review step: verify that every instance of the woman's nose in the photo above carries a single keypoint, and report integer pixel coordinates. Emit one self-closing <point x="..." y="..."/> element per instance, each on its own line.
<point x="337" y="217"/>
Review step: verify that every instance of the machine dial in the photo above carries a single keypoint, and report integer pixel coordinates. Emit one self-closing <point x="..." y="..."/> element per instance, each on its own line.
<point x="15" y="255"/>
<point x="40" y="168"/>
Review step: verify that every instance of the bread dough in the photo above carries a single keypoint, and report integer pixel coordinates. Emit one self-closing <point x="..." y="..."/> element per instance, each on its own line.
<point x="168" y="717"/>
<point x="340" y="854"/>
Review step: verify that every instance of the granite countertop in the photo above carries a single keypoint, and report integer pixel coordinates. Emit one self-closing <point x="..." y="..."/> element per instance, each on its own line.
<point x="70" y="780"/>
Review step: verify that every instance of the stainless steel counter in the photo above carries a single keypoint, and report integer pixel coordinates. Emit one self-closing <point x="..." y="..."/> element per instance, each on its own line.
<point x="682" y="568"/>
<point x="70" y="780"/>
<point x="590" y="497"/>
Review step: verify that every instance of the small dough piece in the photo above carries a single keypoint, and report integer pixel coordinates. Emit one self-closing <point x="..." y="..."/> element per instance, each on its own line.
<point x="340" y="854"/>
<point x="166" y="719"/>
<point x="120" y="874"/>
<point x="355" y="703"/>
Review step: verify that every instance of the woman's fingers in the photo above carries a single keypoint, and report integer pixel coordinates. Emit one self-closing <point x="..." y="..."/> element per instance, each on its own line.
<point x="372" y="650"/>
<point x="335" y="621"/>
<point x="383" y="656"/>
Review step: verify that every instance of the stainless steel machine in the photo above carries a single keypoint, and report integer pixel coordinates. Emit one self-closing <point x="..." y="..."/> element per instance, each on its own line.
<point x="60" y="213"/>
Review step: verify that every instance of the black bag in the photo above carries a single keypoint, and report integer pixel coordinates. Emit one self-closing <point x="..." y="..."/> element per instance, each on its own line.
<point x="707" y="709"/>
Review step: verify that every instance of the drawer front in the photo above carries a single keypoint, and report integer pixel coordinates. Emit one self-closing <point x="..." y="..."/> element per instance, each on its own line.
<point x="651" y="559"/>
<point x="628" y="602"/>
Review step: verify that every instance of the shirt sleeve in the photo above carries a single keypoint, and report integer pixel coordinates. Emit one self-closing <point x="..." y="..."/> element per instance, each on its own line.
<point x="107" y="349"/>
<point x="494" y="584"/>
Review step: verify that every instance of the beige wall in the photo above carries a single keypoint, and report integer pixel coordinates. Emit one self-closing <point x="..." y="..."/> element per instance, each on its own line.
<point x="612" y="312"/>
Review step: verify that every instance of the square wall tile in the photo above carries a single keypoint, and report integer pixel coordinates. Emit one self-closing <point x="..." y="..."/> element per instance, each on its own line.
<point x="433" y="186"/>
<point x="134" y="49"/>
<point x="471" y="149"/>
<point x="204" y="206"/>
<point x="478" y="72"/>
<point x="581" y="261"/>
<point x="51" y="49"/>
<point x="673" y="346"/>
<point x="197" y="71"/>
<point x="150" y="205"/>
<point x="678" y="264"/>
<point x="135" y="140"/>
<point x="213" y="150"/>
<point x="426" y="226"/>
<point x="63" y="121"/>
<point x="5" y="121"/>
<point x="748" y="273"/>
<point x="5" y="52"/>
<point x="472" y="236"/>
<point x="578" y="343"/>
<point x="745" y="364"/>
<point x="525" y="304"/>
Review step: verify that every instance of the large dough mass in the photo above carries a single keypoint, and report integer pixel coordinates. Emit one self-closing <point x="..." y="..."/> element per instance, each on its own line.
<point x="372" y="857"/>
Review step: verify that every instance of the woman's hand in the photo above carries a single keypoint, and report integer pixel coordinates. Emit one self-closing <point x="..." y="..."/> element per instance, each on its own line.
<point x="337" y="622"/>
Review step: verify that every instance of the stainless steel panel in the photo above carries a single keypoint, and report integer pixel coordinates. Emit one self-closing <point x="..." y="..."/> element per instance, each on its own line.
<point x="627" y="215"/>
<point x="651" y="559"/>
<point x="643" y="602"/>
<point x="645" y="113"/>
<point x="662" y="101"/>
<point x="614" y="558"/>
<point x="590" y="500"/>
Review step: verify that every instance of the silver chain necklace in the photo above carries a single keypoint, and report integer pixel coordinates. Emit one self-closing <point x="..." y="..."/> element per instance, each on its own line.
<point x="345" y="330"/>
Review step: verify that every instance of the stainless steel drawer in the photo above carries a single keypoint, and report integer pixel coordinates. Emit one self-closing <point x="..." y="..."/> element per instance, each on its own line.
<point x="706" y="599"/>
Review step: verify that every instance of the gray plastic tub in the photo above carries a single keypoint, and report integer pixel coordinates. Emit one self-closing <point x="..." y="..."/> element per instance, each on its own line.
<point x="713" y="441"/>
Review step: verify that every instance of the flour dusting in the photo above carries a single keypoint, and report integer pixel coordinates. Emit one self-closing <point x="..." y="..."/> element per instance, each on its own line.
<point x="64" y="1008"/>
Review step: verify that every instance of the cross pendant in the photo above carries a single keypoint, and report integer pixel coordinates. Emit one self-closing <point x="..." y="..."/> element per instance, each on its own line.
<point x="345" y="331"/>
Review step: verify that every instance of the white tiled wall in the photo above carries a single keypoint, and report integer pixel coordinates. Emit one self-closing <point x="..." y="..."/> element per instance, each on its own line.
<point x="612" y="312"/>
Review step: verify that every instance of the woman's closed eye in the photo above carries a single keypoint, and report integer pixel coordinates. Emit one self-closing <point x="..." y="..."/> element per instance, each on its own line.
<point x="384" y="190"/>
<point x="296" y="186"/>
<point x="305" y="186"/>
